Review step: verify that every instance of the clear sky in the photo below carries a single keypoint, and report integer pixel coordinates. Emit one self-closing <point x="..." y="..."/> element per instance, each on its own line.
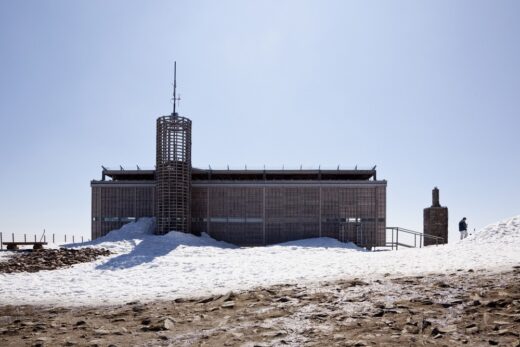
<point x="429" y="91"/>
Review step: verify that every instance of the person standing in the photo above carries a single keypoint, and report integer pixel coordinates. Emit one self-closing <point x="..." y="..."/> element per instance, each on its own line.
<point x="463" y="228"/>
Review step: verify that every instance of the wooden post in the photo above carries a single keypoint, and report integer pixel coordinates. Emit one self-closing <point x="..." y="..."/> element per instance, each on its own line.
<point x="34" y="237"/>
<point x="81" y="239"/>
<point x="12" y="236"/>
<point x="24" y="238"/>
<point x="397" y="239"/>
<point x="53" y="238"/>
<point x="65" y="238"/>
<point x="1" y="242"/>
<point x="73" y="239"/>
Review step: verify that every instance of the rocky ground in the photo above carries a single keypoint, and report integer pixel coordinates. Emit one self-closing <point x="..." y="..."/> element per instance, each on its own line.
<point x="461" y="308"/>
<point x="49" y="259"/>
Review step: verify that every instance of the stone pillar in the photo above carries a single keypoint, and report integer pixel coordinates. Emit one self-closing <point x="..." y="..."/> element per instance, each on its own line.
<point x="435" y="221"/>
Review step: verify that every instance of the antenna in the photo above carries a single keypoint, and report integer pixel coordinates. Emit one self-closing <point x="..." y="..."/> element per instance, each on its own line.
<point x="175" y="99"/>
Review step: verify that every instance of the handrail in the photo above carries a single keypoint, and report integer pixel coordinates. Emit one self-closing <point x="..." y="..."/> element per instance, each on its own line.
<point x="422" y="236"/>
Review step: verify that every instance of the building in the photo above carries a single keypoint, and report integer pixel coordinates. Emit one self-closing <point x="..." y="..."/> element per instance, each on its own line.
<point x="255" y="207"/>
<point x="244" y="207"/>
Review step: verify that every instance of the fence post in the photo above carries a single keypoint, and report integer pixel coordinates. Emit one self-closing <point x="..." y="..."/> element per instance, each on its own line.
<point x="12" y="235"/>
<point x="52" y="237"/>
<point x="73" y="239"/>
<point x="81" y="239"/>
<point x="1" y="242"/>
<point x="397" y="239"/>
<point x="65" y="238"/>
<point x="34" y="237"/>
<point x="24" y="238"/>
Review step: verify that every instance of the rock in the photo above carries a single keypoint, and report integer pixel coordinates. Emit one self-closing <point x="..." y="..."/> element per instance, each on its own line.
<point x="163" y="324"/>
<point x="499" y="322"/>
<point x="411" y="329"/>
<point x="441" y="284"/>
<point x="502" y="332"/>
<point x="356" y="282"/>
<point x="138" y="308"/>
<point x="120" y="332"/>
<point x="378" y="313"/>
<point x="206" y="300"/>
<point x="435" y="331"/>
<point x="352" y="343"/>
<point x="101" y="332"/>
<point x="228" y="296"/>
<point x="228" y="304"/>
<point x="472" y="328"/>
<point x="448" y="329"/>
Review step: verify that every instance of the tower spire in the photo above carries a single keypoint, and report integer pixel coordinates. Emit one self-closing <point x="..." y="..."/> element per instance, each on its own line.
<point x="174" y="88"/>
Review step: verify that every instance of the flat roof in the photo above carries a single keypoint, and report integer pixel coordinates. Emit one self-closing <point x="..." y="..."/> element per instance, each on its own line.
<point x="249" y="175"/>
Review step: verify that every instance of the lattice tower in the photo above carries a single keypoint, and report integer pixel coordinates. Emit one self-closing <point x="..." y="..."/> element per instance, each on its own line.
<point x="173" y="174"/>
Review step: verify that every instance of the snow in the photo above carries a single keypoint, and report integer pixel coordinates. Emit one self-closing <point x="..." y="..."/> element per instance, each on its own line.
<point x="147" y="267"/>
<point x="506" y="231"/>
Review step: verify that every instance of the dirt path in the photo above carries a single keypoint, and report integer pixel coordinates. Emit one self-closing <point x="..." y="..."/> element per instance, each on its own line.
<point x="461" y="308"/>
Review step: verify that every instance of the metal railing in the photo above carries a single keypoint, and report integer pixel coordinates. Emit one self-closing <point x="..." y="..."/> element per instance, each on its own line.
<point x="51" y="238"/>
<point x="394" y="243"/>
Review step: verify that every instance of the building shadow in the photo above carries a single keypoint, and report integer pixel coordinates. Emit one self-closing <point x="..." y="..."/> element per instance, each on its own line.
<point x="145" y="251"/>
<point x="151" y="247"/>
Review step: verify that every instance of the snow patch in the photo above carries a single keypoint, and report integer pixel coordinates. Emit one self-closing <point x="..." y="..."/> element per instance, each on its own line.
<point x="506" y="231"/>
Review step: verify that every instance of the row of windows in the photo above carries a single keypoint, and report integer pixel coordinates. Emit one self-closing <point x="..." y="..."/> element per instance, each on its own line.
<point x="228" y="220"/>
<point x="353" y="220"/>
<point x="114" y="219"/>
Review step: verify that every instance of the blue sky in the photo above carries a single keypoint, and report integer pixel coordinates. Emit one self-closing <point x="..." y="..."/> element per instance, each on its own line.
<point x="426" y="90"/>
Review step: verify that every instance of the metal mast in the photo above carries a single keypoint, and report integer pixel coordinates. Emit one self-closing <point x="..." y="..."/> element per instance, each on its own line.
<point x="174" y="87"/>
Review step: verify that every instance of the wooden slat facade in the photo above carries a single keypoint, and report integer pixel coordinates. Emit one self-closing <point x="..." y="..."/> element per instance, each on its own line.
<point x="254" y="213"/>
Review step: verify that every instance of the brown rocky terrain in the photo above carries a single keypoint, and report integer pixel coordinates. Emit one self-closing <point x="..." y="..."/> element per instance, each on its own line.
<point x="474" y="308"/>
<point x="50" y="259"/>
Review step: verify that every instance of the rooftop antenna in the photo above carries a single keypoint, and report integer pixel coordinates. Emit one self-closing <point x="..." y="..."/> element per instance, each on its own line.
<point x="175" y="99"/>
